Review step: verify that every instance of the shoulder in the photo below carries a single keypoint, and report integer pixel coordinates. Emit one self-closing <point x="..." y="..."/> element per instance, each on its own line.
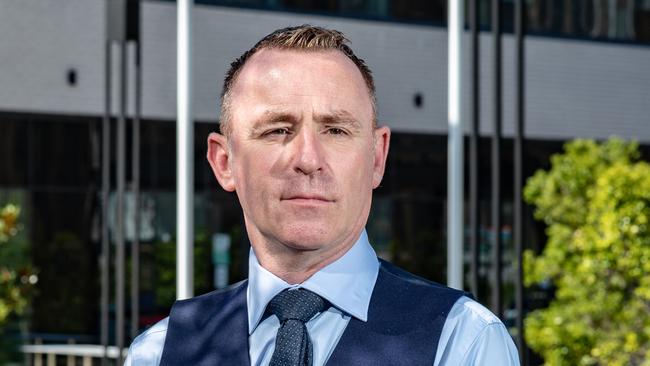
<point x="146" y="348"/>
<point x="156" y="331"/>
<point x="472" y="332"/>
<point x="426" y="303"/>
<point x="410" y="282"/>
<point x="471" y="311"/>
<point x="215" y="295"/>
<point x="201" y="308"/>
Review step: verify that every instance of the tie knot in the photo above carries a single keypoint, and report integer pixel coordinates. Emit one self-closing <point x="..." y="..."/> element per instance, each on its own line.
<point x="297" y="304"/>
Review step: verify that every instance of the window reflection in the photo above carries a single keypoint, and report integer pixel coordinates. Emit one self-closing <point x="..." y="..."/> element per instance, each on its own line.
<point x="612" y="20"/>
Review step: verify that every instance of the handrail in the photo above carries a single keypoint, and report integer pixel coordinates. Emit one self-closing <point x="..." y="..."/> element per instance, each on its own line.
<point x="85" y="351"/>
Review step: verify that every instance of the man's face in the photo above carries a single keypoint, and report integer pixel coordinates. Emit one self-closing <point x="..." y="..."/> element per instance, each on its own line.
<point x="303" y="156"/>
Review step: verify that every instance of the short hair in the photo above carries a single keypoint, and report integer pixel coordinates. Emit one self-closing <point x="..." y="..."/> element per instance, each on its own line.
<point x="306" y="38"/>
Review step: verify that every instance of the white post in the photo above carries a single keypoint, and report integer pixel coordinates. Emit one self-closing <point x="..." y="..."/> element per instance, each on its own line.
<point x="455" y="149"/>
<point x="184" y="154"/>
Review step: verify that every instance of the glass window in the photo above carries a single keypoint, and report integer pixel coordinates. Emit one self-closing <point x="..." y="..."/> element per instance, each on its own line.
<point x="608" y="20"/>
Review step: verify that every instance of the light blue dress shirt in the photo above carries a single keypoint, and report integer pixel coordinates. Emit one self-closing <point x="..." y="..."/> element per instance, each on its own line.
<point x="472" y="335"/>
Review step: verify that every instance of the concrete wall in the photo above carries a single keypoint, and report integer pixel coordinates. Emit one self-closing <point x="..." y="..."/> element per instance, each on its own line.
<point x="573" y="88"/>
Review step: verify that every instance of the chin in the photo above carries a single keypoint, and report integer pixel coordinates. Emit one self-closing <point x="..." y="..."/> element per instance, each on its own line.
<point x="305" y="237"/>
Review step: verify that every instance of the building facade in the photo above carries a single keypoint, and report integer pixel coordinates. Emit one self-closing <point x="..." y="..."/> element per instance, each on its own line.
<point x="586" y="76"/>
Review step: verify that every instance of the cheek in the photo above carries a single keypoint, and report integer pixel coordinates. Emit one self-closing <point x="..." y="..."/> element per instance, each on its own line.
<point x="359" y="173"/>
<point x="244" y="174"/>
<point x="253" y="179"/>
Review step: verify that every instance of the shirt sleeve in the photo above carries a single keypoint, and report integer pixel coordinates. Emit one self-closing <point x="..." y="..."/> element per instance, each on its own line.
<point x="472" y="335"/>
<point x="128" y="361"/>
<point x="493" y="346"/>
<point x="146" y="349"/>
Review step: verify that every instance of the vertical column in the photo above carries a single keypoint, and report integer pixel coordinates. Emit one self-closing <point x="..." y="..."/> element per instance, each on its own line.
<point x="518" y="173"/>
<point x="184" y="157"/>
<point x="135" y="187"/>
<point x="119" y="221"/>
<point x="122" y="25"/>
<point x="105" y="258"/>
<point x="496" y="161"/>
<point x="455" y="182"/>
<point x="473" y="150"/>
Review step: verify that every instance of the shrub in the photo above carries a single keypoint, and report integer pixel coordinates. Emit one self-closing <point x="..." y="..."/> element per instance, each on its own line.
<point x="595" y="200"/>
<point x="14" y="283"/>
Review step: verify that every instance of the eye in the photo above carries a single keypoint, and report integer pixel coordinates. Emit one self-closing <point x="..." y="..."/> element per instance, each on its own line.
<point x="336" y="131"/>
<point x="278" y="131"/>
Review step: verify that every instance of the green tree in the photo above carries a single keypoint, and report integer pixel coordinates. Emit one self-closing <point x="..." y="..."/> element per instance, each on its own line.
<point x="595" y="200"/>
<point x="15" y="283"/>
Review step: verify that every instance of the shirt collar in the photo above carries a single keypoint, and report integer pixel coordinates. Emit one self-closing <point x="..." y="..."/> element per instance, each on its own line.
<point x="347" y="283"/>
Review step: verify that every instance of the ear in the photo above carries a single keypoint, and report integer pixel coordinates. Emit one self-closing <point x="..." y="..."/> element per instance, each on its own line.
<point x="220" y="158"/>
<point x="382" y="143"/>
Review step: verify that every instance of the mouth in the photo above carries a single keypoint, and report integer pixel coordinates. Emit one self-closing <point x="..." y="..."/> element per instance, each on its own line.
<point x="313" y="199"/>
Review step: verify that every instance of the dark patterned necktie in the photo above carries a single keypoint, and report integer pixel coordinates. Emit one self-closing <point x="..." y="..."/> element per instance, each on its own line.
<point x="294" y="308"/>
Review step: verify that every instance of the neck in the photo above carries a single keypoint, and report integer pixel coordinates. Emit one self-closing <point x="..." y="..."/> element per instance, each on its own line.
<point x="295" y="266"/>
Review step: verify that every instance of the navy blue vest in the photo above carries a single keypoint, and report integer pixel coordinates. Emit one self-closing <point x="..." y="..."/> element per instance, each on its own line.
<point x="405" y="319"/>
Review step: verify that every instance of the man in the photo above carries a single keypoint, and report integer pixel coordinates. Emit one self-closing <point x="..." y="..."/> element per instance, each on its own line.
<point x="301" y="148"/>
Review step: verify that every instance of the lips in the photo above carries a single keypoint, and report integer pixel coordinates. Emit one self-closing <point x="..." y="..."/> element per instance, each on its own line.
<point x="307" y="198"/>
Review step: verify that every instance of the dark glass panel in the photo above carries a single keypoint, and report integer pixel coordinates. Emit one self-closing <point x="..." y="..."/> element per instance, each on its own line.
<point x="65" y="257"/>
<point x="63" y="152"/>
<point x="421" y="11"/>
<point x="14" y="151"/>
<point x="407" y="221"/>
<point x="158" y="155"/>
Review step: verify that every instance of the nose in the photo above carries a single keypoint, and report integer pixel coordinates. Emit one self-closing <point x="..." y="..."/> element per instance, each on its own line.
<point x="308" y="154"/>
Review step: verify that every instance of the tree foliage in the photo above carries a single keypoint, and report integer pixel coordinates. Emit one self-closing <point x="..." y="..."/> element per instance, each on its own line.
<point x="595" y="200"/>
<point x="14" y="283"/>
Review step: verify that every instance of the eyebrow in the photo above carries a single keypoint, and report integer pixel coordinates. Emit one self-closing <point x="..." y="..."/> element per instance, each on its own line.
<point x="270" y="117"/>
<point x="339" y="117"/>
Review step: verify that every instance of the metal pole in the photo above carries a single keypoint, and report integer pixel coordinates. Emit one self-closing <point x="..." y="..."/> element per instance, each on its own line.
<point x="496" y="163"/>
<point x="135" y="186"/>
<point x="119" y="222"/>
<point x="455" y="149"/>
<point x="473" y="152"/>
<point x="518" y="172"/>
<point x="105" y="258"/>
<point x="184" y="158"/>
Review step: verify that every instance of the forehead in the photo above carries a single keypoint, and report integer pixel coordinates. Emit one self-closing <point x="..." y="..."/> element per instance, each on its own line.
<point x="322" y="80"/>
